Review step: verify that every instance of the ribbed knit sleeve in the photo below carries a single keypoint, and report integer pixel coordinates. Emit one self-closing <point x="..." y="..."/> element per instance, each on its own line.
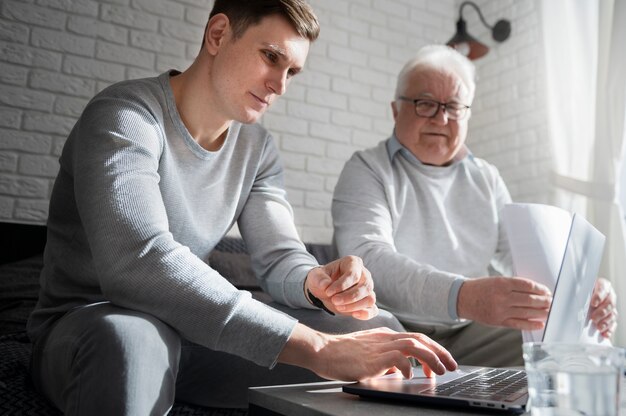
<point x="134" y="208"/>
<point x="266" y="223"/>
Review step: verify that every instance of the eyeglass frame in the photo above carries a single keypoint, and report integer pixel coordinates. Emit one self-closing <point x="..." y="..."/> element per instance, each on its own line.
<point x="464" y="107"/>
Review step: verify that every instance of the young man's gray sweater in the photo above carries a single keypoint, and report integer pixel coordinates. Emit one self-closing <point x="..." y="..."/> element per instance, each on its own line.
<point x="138" y="205"/>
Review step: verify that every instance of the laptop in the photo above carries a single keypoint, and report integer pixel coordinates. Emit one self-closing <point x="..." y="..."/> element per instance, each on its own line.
<point x="505" y="389"/>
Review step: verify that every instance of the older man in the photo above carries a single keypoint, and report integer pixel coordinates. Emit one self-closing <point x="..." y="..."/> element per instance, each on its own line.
<point x="424" y="214"/>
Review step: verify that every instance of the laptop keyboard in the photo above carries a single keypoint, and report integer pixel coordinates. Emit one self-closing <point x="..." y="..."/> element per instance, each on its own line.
<point x="497" y="384"/>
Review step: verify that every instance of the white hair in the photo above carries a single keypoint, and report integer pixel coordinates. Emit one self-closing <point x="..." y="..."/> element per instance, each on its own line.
<point x="441" y="58"/>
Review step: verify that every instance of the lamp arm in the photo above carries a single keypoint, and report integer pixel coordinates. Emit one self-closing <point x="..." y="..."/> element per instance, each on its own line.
<point x="470" y="3"/>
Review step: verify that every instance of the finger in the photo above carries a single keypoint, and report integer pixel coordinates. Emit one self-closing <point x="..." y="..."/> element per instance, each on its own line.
<point x="393" y="370"/>
<point x="353" y="295"/>
<point x="409" y="340"/>
<point x="365" y="314"/>
<point x="318" y="280"/>
<point x="606" y="324"/>
<point x="363" y="304"/>
<point x="415" y="345"/>
<point x="394" y="359"/>
<point x="347" y="281"/>
<point x="529" y="300"/>
<point x="369" y="282"/>
<point x="601" y="291"/>
<point x="524" y="313"/>
<point x="412" y="347"/>
<point x="340" y="285"/>
<point x="607" y="334"/>
<point x="609" y="330"/>
<point x="443" y="354"/>
<point x="523" y="324"/>
<point x="352" y="274"/>
<point x="517" y="314"/>
<point x="426" y="369"/>
<point x="521" y="284"/>
<point x="602" y="311"/>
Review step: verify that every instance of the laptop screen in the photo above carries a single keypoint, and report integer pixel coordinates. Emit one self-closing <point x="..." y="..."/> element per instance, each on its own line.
<point x="568" y="320"/>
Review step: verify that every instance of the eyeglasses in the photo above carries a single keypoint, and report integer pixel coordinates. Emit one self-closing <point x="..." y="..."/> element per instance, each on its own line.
<point x="429" y="108"/>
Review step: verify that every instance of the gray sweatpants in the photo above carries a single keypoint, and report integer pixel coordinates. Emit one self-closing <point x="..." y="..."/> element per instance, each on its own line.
<point x="107" y="360"/>
<point x="477" y="344"/>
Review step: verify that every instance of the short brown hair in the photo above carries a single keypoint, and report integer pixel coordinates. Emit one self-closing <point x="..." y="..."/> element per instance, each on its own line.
<point x="245" y="13"/>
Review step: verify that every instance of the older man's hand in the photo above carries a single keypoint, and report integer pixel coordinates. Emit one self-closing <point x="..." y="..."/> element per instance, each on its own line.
<point x="603" y="312"/>
<point x="514" y="302"/>
<point x="345" y="286"/>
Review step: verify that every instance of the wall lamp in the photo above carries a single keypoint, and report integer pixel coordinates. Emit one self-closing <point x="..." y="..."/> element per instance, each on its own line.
<point x="468" y="45"/>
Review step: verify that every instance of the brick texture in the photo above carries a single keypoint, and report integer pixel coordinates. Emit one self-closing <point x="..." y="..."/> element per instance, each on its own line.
<point x="54" y="55"/>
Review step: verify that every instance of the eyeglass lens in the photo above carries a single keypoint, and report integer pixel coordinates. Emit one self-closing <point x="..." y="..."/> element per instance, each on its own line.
<point x="429" y="108"/>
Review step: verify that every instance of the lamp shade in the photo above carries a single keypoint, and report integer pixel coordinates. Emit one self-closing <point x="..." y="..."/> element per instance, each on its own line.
<point x="465" y="43"/>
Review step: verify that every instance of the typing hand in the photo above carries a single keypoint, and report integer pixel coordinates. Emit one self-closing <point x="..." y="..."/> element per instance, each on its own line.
<point x="364" y="354"/>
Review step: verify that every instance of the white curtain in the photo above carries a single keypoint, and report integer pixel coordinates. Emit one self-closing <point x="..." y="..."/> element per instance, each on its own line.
<point x="585" y="54"/>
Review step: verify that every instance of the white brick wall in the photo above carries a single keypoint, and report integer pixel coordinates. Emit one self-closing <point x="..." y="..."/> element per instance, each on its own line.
<point x="509" y="125"/>
<point x="341" y="101"/>
<point x="55" y="55"/>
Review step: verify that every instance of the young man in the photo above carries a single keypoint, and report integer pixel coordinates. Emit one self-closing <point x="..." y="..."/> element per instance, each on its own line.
<point x="153" y="175"/>
<point x="424" y="214"/>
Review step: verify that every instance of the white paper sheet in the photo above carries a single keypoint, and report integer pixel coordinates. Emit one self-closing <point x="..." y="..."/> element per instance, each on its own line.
<point x="538" y="237"/>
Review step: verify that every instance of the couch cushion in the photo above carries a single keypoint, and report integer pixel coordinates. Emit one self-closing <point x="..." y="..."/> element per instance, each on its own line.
<point x="19" y="289"/>
<point x="236" y="268"/>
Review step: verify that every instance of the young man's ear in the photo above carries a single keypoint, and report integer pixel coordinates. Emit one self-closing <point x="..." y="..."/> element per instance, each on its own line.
<point x="217" y="32"/>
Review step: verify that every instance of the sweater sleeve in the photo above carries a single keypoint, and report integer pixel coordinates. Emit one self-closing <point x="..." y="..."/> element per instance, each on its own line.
<point x="114" y="160"/>
<point x="266" y="223"/>
<point x="364" y="227"/>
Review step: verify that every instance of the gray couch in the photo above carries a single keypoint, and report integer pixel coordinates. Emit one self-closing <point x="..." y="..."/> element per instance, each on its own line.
<point x="20" y="264"/>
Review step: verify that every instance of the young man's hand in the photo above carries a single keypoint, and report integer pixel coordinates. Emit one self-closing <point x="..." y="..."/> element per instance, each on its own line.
<point x="345" y="287"/>
<point x="364" y="354"/>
